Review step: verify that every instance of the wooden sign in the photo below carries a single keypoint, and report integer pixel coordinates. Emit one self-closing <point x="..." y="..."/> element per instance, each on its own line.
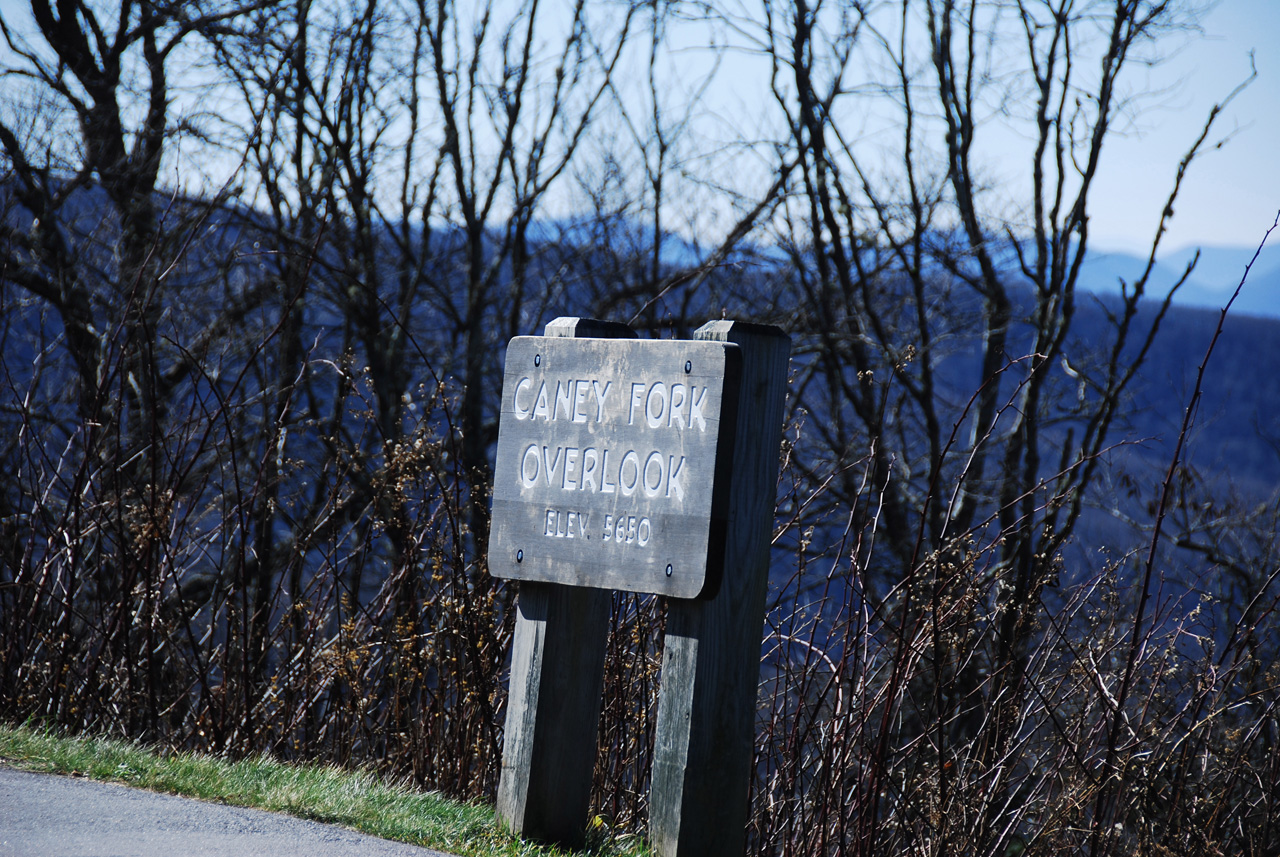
<point x="613" y="460"/>
<point x="612" y="472"/>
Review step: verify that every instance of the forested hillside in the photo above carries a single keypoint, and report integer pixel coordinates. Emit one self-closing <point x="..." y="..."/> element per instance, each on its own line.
<point x="258" y="265"/>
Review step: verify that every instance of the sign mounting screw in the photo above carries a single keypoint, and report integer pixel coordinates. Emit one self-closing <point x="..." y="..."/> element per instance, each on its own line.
<point x="520" y="558"/>
<point x="688" y="366"/>
<point x="668" y="569"/>
<point x="537" y="360"/>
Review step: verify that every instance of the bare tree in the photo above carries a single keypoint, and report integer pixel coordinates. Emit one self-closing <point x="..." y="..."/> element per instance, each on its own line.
<point x="247" y="423"/>
<point x="88" y="237"/>
<point x="938" y="321"/>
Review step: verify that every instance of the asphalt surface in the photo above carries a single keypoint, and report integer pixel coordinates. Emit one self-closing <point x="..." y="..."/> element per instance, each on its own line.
<point x="45" y="815"/>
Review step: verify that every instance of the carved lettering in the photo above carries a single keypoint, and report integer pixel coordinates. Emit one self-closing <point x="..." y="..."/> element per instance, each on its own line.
<point x="540" y="403"/>
<point x="663" y="406"/>
<point x="627" y="529"/>
<point x="528" y="476"/>
<point x="522" y="413"/>
<point x="697" y="401"/>
<point x="627" y="483"/>
<point x="589" y="461"/>
<point x="674" y="469"/>
<point x="580" y="390"/>
<point x="564" y="395"/>
<point x="607" y="458"/>
<point x="606" y="487"/>
<point x="566" y="524"/>
<point x="655" y="404"/>
<point x="637" y="398"/>
<point x="601" y="393"/>
<point x="570" y="400"/>
<point x="653" y="474"/>
<point x="604" y="471"/>
<point x="570" y="463"/>
<point x="552" y="465"/>
<point x="675" y="418"/>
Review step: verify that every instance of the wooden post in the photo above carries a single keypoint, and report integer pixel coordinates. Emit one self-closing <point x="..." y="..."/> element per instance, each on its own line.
<point x="553" y="703"/>
<point x="711" y="658"/>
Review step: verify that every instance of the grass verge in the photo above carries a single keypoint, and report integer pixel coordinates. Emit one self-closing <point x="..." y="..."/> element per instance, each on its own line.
<point x="357" y="800"/>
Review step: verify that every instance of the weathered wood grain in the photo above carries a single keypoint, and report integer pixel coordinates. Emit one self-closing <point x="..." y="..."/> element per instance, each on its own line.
<point x="612" y="463"/>
<point x="553" y="703"/>
<point x="711" y="656"/>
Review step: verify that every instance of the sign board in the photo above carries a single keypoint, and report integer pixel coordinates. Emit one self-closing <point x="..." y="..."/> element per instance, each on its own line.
<point x="613" y="463"/>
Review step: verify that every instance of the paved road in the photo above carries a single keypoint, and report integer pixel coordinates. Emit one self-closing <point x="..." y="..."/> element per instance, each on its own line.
<point x="45" y="815"/>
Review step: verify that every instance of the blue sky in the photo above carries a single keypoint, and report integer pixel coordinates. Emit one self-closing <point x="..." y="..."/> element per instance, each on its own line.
<point x="1231" y="195"/>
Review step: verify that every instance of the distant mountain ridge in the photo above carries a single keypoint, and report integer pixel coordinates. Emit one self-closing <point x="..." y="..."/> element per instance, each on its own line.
<point x="1217" y="273"/>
